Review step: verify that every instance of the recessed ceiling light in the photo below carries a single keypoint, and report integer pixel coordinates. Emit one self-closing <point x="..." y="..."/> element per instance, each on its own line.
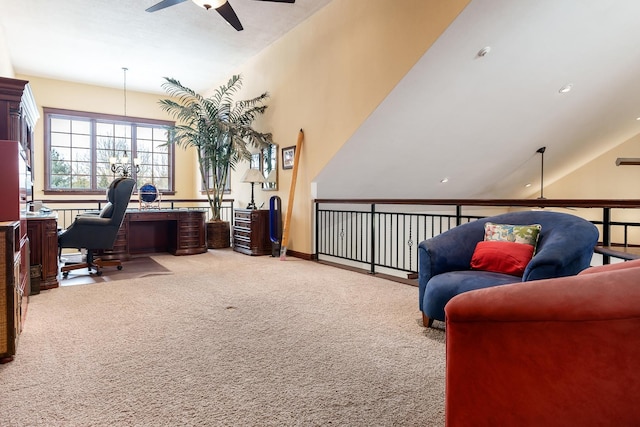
<point x="528" y="184"/>
<point x="443" y="180"/>
<point x="484" y="51"/>
<point x="638" y="119"/>
<point x="566" y="88"/>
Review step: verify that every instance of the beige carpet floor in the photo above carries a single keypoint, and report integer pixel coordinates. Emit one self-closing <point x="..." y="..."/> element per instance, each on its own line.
<point x="227" y="340"/>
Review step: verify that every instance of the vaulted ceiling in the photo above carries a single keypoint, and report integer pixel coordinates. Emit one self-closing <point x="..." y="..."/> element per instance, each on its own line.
<point x="477" y="121"/>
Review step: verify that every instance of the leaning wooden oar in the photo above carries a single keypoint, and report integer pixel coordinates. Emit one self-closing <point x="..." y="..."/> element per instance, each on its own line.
<point x="292" y="191"/>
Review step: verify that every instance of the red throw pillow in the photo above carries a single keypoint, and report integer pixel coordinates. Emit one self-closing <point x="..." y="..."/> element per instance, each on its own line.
<point x="502" y="257"/>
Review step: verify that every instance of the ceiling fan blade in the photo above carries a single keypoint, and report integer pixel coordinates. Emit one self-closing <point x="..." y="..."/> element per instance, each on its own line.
<point x="227" y="12"/>
<point x="163" y="4"/>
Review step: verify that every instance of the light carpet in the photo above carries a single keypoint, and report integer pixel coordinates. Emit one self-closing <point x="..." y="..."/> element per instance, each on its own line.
<point x="227" y="340"/>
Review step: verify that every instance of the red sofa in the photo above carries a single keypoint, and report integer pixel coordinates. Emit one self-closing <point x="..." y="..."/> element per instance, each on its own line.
<point x="555" y="352"/>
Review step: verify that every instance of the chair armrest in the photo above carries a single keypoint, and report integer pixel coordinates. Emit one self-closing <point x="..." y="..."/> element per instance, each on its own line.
<point x="89" y="213"/>
<point x="442" y="253"/>
<point x="556" y="257"/>
<point x="611" y="267"/>
<point x="553" y="261"/>
<point x="549" y="352"/>
<point x="91" y="220"/>
<point x="450" y="251"/>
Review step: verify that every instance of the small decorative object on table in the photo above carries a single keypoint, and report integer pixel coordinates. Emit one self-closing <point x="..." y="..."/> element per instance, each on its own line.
<point x="253" y="176"/>
<point x="149" y="197"/>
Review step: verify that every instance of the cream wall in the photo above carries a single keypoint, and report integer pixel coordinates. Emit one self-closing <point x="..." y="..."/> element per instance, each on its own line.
<point x="601" y="178"/>
<point x="328" y="74"/>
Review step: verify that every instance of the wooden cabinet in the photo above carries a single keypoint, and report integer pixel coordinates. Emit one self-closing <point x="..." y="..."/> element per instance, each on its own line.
<point x="18" y="115"/>
<point x="251" y="231"/>
<point x="191" y="226"/>
<point x="43" y="241"/>
<point x="11" y="294"/>
<point x="18" y="112"/>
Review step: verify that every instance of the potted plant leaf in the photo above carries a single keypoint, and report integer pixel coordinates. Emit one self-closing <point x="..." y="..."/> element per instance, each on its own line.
<point x="220" y="130"/>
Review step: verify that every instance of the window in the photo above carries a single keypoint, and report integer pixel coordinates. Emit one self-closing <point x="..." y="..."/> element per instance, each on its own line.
<point x="227" y="183"/>
<point x="79" y="146"/>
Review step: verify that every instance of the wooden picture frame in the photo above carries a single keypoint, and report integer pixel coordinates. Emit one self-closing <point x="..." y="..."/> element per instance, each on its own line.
<point x="288" y="156"/>
<point x="269" y="167"/>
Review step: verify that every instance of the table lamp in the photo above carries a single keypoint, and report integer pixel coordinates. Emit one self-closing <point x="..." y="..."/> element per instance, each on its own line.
<point x="252" y="176"/>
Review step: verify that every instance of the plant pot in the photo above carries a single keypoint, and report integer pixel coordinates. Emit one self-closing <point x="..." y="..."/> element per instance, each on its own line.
<point x="218" y="234"/>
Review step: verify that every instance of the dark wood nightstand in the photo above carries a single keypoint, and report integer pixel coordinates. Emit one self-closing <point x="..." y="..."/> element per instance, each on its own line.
<point x="251" y="231"/>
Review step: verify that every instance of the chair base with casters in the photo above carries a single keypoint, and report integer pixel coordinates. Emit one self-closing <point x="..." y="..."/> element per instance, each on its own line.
<point x="90" y="263"/>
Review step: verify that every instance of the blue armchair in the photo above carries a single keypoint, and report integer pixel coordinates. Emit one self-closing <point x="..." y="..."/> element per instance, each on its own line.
<point x="565" y="247"/>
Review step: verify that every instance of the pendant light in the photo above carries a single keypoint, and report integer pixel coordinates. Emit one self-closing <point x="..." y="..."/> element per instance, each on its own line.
<point x="541" y="151"/>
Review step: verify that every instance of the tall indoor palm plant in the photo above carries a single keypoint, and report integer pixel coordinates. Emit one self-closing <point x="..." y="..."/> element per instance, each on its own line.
<point x="219" y="128"/>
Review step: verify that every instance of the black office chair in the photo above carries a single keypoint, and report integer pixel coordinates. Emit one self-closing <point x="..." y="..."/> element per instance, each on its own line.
<point x="98" y="231"/>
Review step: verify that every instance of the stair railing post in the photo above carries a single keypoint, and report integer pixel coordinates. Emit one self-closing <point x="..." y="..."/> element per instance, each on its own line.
<point x="316" y="246"/>
<point x="373" y="239"/>
<point x="606" y="232"/>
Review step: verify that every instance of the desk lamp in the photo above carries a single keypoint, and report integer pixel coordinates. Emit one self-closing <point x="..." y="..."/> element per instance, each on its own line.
<point x="252" y="176"/>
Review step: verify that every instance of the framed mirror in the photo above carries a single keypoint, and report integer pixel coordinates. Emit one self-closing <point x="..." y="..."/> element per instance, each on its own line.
<point x="270" y="167"/>
<point x="255" y="161"/>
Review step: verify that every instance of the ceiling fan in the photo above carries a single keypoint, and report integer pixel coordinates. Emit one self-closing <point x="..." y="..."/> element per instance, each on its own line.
<point x="221" y="6"/>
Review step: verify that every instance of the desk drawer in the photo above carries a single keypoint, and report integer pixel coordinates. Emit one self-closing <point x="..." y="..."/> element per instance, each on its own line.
<point x="241" y="229"/>
<point x="194" y="218"/>
<point x="242" y="223"/>
<point x="243" y="215"/>
<point x="153" y="216"/>
<point x="190" y="234"/>
<point x="191" y="243"/>
<point x="241" y="233"/>
<point x="240" y="241"/>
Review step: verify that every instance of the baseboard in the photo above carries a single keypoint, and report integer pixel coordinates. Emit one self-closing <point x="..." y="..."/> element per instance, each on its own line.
<point x="410" y="280"/>
<point x="407" y="281"/>
<point x="301" y="255"/>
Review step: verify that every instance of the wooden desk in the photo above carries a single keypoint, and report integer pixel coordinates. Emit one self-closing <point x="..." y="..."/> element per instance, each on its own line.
<point x="43" y="240"/>
<point x="177" y="231"/>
